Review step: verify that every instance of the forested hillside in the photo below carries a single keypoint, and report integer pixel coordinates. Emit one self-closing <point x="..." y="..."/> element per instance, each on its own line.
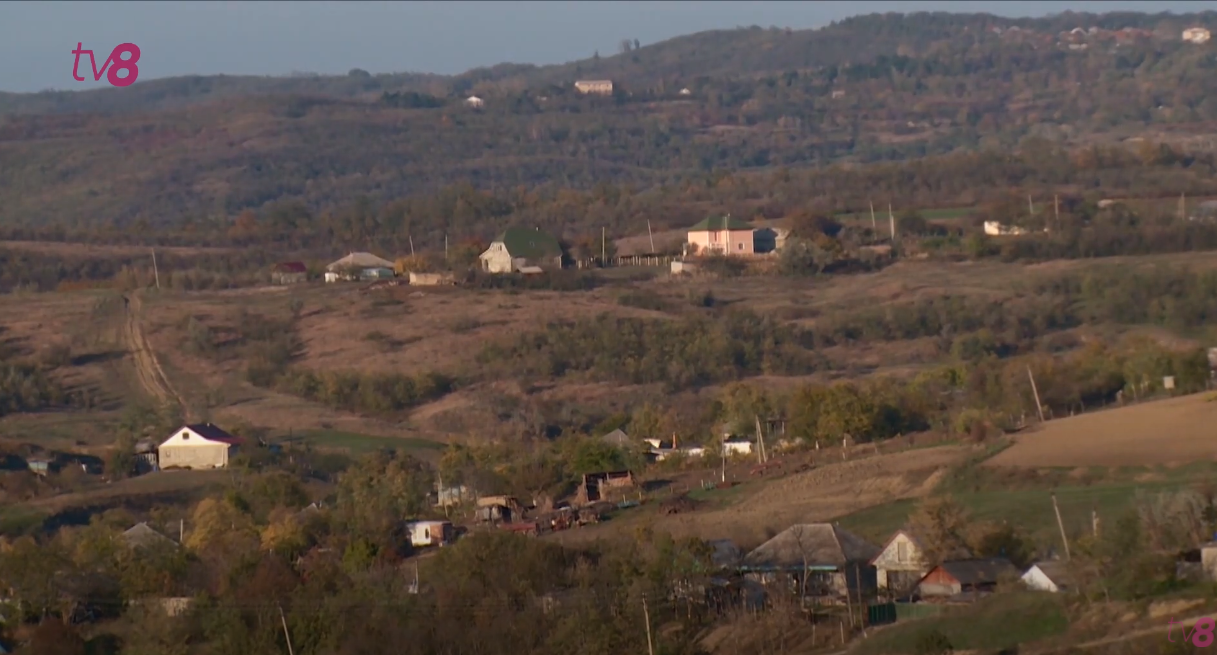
<point x="199" y="151"/>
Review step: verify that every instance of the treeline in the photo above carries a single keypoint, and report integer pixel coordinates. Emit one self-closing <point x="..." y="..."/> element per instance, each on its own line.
<point x="27" y="388"/>
<point x="43" y="271"/>
<point x="679" y="353"/>
<point x="366" y="393"/>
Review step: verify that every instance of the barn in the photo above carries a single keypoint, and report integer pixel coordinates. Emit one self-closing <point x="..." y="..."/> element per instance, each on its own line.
<point x="197" y="446"/>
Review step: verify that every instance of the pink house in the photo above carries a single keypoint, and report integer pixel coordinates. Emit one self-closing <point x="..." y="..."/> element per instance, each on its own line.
<point x="723" y="235"/>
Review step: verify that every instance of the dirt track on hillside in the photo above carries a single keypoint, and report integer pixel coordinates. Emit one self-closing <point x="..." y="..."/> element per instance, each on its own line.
<point x="147" y="368"/>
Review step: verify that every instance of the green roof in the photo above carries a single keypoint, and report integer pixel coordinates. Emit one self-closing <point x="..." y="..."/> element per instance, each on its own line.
<point x="529" y="244"/>
<point x="720" y="223"/>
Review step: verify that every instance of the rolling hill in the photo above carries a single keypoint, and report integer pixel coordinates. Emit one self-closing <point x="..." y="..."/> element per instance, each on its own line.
<point x="870" y="89"/>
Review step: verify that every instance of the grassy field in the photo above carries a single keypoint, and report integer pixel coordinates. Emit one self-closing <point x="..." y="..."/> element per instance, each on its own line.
<point x="356" y="443"/>
<point x="991" y="625"/>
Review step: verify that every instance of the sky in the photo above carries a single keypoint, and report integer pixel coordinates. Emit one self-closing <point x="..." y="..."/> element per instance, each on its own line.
<point x="278" y="38"/>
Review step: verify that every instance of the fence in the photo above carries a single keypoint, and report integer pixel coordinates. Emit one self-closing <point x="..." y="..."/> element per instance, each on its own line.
<point x="627" y="260"/>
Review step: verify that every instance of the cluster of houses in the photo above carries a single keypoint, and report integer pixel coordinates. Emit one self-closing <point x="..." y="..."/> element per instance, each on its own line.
<point x="532" y="250"/>
<point x="828" y="563"/>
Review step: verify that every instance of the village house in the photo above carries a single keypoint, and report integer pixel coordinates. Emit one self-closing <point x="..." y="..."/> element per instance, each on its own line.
<point x="475" y="102"/>
<point x="971" y="577"/>
<point x="721" y="235"/>
<point x="817" y="559"/>
<point x="1197" y="35"/>
<point x="289" y="273"/>
<point x="198" y="446"/>
<point x="769" y="239"/>
<point x="737" y="446"/>
<point x="519" y="248"/>
<point x="901" y="564"/>
<point x="598" y="87"/>
<point x="359" y="266"/>
<point x="994" y="229"/>
<point x="1052" y="575"/>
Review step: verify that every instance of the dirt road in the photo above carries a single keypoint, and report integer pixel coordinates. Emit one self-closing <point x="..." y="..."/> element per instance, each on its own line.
<point x="147" y="369"/>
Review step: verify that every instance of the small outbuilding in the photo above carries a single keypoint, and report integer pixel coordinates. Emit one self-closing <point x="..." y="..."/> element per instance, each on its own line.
<point x="289" y="273"/>
<point x="1052" y="575"/>
<point x="962" y="576"/>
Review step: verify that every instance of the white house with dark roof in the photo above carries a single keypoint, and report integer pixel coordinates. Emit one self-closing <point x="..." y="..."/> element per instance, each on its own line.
<point x="198" y="446"/>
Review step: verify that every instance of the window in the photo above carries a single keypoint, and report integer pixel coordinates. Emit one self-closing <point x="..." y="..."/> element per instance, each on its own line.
<point x="185" y="436"/>
<point x="902" y="554"/>
<point x="741" y="246"/>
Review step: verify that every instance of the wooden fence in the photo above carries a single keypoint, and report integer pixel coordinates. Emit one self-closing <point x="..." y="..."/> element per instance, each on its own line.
<point x="627" y="260"/>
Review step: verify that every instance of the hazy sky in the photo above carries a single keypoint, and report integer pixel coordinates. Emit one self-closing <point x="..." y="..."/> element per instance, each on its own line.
<point x="180" y="38"/>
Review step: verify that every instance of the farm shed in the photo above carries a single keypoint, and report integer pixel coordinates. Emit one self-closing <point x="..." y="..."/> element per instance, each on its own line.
<point x="198" y="446"/>
<point x="596" y="486"/>
<point x="431" y="533"/>
<point x="737" y="446"/>
<point x="519" y="248"/>
<point x="822" y="559"/>
<point x="901" y="564"/>
<point x="968" y="575"/>
<point x="1051" y="576"/>
<point x="289" y="273"/>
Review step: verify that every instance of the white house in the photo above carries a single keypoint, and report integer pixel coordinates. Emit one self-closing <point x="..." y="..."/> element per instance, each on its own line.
<point x="353" y="266"/>
<point x="519" y="248"/>
<point x="198" y="446"/>
<point x="901" y="563"/>
<point x="1048" y="576"/>
<point x="475" y="102"/>
<point x="1197" y="35"/>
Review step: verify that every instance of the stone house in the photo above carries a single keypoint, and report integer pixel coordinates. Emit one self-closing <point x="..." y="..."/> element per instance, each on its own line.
<point x="520" y="248"/>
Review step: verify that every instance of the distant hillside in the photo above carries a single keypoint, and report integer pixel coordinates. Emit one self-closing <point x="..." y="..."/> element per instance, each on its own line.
<point x="679" y="61"/>
<point x="870" y="89"/>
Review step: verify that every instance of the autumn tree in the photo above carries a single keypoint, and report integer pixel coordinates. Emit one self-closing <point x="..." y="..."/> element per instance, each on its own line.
<point x="941" y="524"/>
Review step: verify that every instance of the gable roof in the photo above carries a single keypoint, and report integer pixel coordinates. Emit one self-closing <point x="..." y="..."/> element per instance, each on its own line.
<point x="359" y="260"/>
<point x="713" y="223"/>
<point x="1056" y="571"/>
<point x="978" y="571"/>
<point x="213" y="433"/>
<point x="140" y="535"/>
<point x="814" y="545"/>
<point x="291" y="267"/>
<point x="529" y="244"/>
<point x="916" y="541"/>
<point x="617" y="437"/>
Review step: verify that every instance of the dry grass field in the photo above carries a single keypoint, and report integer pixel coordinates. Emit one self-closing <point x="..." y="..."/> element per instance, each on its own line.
<point x="1168" y="432"/>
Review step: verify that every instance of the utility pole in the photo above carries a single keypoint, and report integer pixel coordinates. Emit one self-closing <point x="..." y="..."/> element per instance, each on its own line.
<point x="1030" y="207"/>
<point x="646" y="615"/>
<point x="603" y="245"/>
<point x="892" y="218"/>
<point x="1094" y="522"/>
<point x="440" y="475"/>
<point x="286" y="635"/>
<point x="651" y="236"/>
<point x="1056" y="210"/>
<point x="445" y="246"/>
<point x="1060" y="524"/>
<point x="181" y="530"/>
<point x="760" y="438"/>
<point x="873" y="227"/>
<point x="724" y="453"/>
<point x="1039" y="408"/>
<point x="156" y="272"/>
<point x="411" y="245"/>
<point x="1182" y="207"/>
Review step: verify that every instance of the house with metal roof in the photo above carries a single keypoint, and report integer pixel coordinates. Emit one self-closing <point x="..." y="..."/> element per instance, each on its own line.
<point x="721" y="235"/>
<point x="356" y="266"/>
<point x="519" y="248"/>
<point x="973" y="577"/>
<point x="198" y="446"/>
<point x="821" y="559"/>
